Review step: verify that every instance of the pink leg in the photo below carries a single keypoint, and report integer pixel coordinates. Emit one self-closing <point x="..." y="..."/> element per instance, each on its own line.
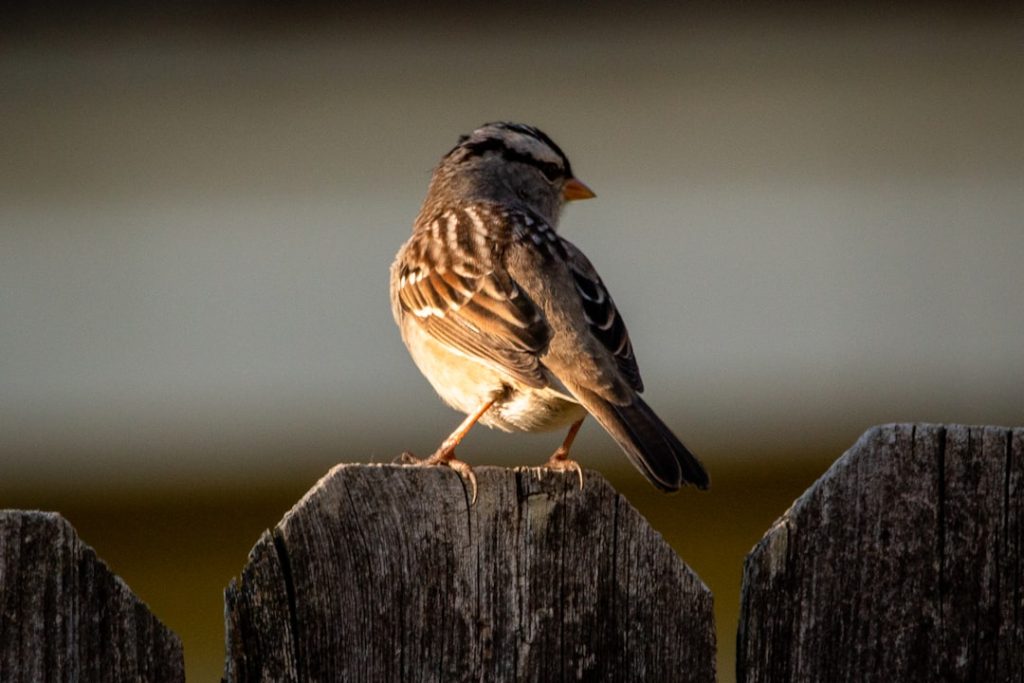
<point x="445" y="455"/>
<point x="559" y="460"/>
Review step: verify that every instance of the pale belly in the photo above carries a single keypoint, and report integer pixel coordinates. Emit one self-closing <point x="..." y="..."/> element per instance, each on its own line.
<point x="466" y="384"/>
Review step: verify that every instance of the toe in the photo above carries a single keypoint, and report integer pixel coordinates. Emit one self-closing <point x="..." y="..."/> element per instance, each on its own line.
<point x="559" y="462"/>
<point x="407" y="458"/>
<point x="467" y="474"/>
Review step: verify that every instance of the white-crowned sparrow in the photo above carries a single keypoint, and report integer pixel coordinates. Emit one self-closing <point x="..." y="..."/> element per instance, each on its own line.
<point x="509" y="321"/>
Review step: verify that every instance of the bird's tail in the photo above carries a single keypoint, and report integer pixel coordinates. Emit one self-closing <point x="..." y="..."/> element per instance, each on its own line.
<point x="649" y="443"/>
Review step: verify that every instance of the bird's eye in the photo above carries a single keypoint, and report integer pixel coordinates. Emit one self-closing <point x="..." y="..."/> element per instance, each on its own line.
<point x="551" y="171"/>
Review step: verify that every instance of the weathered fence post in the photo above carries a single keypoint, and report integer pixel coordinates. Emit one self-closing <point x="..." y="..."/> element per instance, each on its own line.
<point x="386" y="573"/>
<point x="904" y="562"/>
<point x="65" y="617"/>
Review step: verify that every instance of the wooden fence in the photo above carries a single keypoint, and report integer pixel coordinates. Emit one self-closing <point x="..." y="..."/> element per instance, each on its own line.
<point x="903" y="562"/>
<point x="65" y="617"/>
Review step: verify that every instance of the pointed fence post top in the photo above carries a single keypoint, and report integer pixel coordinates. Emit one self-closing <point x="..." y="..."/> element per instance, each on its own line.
<point x="902" y="562"/>
<point x="64" y="616"/>
<point x="387" y="572"/>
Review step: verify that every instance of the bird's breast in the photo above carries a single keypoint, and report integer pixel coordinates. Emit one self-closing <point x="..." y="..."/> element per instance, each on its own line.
<point x="466" y="384"/>
<point x="534" y="410"/>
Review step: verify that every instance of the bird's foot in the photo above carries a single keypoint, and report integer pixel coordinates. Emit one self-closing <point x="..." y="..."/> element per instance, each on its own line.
<point x="407" y="458"/>
<point x="445" y="457"/>
<point x="560" y="460"/>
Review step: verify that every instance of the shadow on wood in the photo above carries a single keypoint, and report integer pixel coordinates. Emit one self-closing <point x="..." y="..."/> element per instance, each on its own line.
<point x="386" y="573"/>
<point x="65" y="617"/>
<point x="904" y="562"/>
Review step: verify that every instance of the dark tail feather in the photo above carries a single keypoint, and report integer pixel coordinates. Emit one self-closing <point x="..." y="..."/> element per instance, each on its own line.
<point x="649" y="443"/>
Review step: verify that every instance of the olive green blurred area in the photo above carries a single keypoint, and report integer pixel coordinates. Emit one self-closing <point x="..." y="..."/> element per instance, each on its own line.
<point x="811" y="218"/>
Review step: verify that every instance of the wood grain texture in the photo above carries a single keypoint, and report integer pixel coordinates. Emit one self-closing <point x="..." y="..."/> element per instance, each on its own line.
<point x="386" y="573"/>
<point x="65" y="617"/>
<point x="904" y="562"/>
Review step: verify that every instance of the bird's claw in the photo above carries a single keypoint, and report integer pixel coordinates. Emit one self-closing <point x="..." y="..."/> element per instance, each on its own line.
<point x="407" y="458"/>
<point x="466" y="472"/>
<point x="564" y="464"/>
<point x="447" y="458"/>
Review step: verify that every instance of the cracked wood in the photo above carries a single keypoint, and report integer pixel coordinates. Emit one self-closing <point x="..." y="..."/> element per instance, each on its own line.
<point x="386" y="573"/>
<point x="65" y="617"/>
<point x="904" y="562"/>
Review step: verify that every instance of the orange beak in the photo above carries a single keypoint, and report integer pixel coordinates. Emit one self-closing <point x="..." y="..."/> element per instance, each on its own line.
<point x="575" y="189"/>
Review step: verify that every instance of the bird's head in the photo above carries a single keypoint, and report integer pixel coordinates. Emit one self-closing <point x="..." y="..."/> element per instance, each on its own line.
<point x="512" y="164"/>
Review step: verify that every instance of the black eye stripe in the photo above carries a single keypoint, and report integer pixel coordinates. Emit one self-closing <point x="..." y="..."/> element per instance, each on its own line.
<point x="551" y="171"/>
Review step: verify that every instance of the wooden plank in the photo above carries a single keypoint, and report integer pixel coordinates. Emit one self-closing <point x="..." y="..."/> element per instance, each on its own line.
<point x="65" y="617"/>
<point x="387" y="573"/>
<point x="902" y="563"/>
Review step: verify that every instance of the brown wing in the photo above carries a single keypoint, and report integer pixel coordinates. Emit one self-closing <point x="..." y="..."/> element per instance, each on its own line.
<point x="463" y="297"/>
<point x="602" y="316"/>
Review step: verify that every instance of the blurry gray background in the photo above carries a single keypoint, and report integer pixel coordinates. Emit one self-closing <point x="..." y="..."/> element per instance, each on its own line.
<point x="812" y="222"/>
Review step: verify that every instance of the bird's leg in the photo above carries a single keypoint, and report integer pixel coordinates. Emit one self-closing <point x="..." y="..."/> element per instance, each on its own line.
<point x="559" y="460"/>
<point x="445" y="455"/>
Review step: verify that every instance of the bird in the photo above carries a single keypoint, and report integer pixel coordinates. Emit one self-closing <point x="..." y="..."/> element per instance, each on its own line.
<point x="509" y="321"/>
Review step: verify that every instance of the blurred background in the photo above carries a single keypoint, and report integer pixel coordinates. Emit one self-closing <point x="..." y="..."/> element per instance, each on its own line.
<point x="811" y="217"/>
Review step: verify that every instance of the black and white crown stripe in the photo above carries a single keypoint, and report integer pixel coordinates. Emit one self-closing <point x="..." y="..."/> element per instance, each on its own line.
<point x="499" y="143"/>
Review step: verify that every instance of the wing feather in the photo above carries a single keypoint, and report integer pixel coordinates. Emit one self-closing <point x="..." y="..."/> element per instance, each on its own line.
<point x="602" y="316"/>
<point x="466" y="301"/>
